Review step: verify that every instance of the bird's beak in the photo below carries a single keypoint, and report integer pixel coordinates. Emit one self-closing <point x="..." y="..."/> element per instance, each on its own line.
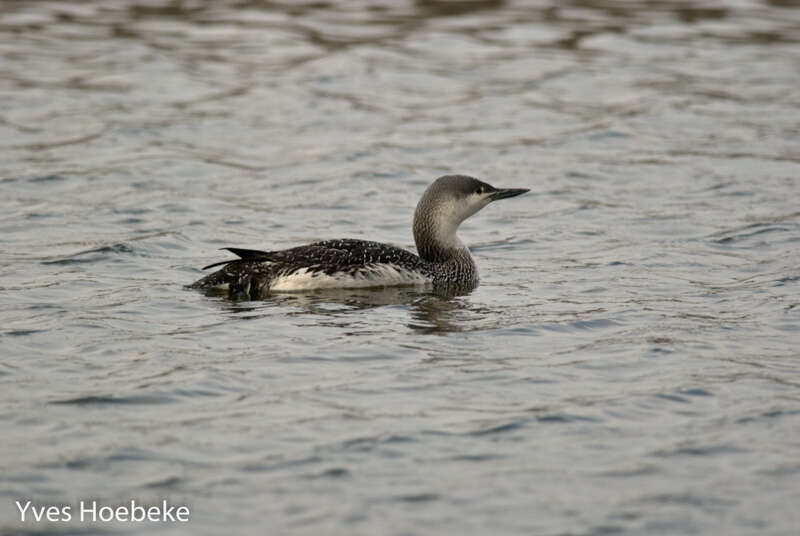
<point x="505" y="193"/>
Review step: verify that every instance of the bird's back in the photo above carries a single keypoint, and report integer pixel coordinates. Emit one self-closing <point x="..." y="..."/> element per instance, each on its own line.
<point x="343" y="263"/>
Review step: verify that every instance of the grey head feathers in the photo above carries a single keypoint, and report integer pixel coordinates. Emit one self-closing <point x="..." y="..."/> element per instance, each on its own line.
<point x="447" y="202"/>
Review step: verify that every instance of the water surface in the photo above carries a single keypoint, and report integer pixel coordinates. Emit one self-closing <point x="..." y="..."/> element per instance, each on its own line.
<point x="628" y="365"/>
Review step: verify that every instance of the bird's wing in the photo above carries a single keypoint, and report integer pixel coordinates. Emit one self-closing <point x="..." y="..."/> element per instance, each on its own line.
<point x="329" y="256"/>
<point x="344" y="255"/>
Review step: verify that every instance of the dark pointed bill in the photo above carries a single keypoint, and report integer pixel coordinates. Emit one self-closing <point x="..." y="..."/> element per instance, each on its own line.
<point x="505" y="193"/>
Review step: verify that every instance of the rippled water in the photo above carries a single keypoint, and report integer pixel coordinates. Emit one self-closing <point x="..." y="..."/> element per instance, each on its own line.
<point x="629" y="364"/>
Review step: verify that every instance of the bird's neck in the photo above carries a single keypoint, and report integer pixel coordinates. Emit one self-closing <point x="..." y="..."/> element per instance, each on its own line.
<point x="435" y="226"/>
<point x="437" y="242"/>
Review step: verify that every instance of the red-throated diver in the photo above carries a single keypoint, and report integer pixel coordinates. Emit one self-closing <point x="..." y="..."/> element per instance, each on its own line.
<point x="443" y="259"/>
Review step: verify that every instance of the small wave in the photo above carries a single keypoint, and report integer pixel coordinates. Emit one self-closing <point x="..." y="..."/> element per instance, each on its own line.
<point x="99" y="400"/>
<point x="475" y="457"/>
<point x="683" y="499"/>
<point x="500" y="429"/>
<point x="710" y="450"/>
<point x="47" y="178"/>
<point x="418" y="497"/>
<point x="565" y="418"/>
<point x="258" y="467"/>
<point x="509" y="243"/>
<point x="773" y="414"/>
<point x="364" y="444"/>
<point x="21" y="332"/>
<point x="172" y="482"/>
<point x="333" y="473"/>
<point x="579" y="325"/>
<point x="94" y="255"/>
<point x="732" y="236"/>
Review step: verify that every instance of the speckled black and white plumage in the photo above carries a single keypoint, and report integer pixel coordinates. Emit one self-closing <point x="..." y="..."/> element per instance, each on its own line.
<point x="330" y="264"/>
<point x="347" y="263"/>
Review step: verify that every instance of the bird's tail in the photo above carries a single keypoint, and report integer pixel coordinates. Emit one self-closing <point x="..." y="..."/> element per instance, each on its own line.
<point x="249" y="275"/>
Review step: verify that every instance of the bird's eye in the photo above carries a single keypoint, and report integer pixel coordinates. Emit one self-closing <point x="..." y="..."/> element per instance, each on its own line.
<point x="479" y="191"/>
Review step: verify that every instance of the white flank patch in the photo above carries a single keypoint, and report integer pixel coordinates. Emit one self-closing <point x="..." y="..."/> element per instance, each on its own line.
<point x="377" y="275"/>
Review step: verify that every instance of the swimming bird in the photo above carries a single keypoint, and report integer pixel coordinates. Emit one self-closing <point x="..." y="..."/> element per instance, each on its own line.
<point x="443" y="260"/>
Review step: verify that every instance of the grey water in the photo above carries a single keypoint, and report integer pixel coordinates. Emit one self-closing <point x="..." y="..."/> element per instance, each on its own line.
<point x="628" y="365"/>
